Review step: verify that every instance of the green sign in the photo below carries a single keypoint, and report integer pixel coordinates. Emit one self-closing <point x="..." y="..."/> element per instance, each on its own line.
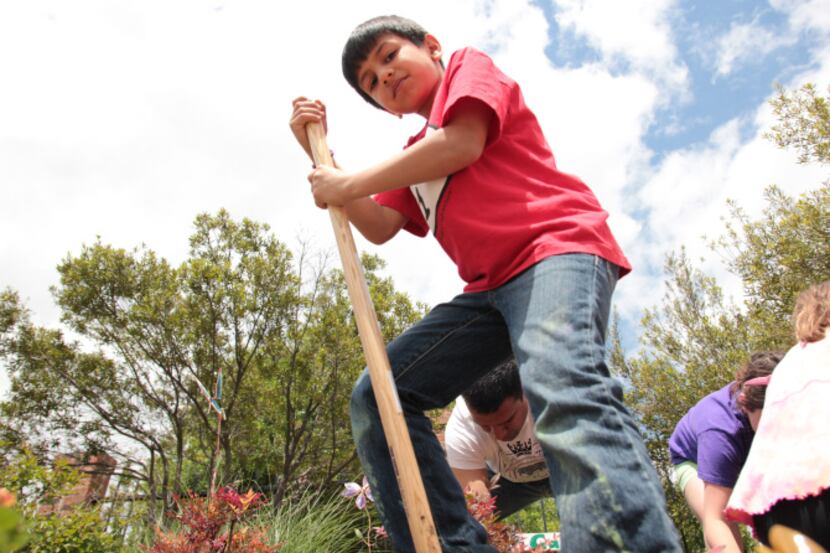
<point x="548" y="541"/>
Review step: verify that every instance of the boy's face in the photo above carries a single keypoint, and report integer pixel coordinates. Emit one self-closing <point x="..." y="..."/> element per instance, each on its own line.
<point x="401" y="76"/>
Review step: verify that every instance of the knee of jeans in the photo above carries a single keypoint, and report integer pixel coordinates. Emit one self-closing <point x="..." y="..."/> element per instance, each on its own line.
<point x="362" y="406"/>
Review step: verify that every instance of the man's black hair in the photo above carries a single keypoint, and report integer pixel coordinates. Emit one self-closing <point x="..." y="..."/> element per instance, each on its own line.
<point x="486" y="395"/>
<point x="365" y="36"/>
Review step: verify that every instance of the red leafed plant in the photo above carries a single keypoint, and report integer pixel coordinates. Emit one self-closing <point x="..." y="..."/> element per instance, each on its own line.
<point x="503" y="536"/>
<point x="210" y="525"/>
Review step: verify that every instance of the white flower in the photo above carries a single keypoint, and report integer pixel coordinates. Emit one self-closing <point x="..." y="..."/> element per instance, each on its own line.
<point x="360" y="493"/>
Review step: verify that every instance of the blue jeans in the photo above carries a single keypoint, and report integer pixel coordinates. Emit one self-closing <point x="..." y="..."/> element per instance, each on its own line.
<point x="515" y="496"/>
<point x="553" y="318"/>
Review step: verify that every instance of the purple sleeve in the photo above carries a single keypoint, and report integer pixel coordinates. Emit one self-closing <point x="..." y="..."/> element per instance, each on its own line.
<point x="718" y="459"/>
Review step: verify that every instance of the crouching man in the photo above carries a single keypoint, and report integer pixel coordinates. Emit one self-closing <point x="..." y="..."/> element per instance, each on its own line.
<point x="489" y="433"/>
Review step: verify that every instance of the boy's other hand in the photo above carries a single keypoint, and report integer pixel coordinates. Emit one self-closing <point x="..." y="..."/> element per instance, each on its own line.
<point x="330" y="186"/>
<point x="306" y="111"/>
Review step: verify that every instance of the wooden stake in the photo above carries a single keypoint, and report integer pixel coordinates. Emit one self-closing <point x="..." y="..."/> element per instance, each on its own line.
<point x="415" y="502"/>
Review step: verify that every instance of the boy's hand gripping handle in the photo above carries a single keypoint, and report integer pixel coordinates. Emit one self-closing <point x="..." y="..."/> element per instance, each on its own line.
<point x="410" y="483"/>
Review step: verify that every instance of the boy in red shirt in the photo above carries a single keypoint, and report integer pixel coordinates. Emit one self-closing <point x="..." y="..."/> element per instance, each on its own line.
<point x="540" y="264"/>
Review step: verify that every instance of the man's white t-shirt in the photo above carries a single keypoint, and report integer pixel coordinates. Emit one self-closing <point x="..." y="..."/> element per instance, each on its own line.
<point x="469" y="447"/>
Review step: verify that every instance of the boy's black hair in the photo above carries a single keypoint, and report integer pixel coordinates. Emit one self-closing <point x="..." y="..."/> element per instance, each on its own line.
<point x="486" y="395"/>
<point x="365" y="36"/>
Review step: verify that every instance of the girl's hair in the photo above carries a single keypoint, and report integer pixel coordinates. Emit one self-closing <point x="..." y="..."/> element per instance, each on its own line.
<point x="365" y="36"/>
<point x="811" y="315"/>
<point x="751" y="397"/>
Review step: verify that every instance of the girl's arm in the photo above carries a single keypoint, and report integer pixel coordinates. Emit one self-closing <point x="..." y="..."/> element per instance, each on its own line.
<point x="719" y="534"/>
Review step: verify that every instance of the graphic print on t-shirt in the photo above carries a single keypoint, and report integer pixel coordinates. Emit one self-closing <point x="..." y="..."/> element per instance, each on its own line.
<point x="521" y="460"/>
<point x="519" y="447"/>
<point x="428" y="194"/>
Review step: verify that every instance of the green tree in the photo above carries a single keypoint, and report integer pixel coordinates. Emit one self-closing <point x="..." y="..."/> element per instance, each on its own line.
<point x="803" y="123"/>
<point x="692" y="343"/>
<point x="301" y="432"/>
<point x="777" y="255"/>
<point x="39" y="489"/>
<point x="280" y="328"/>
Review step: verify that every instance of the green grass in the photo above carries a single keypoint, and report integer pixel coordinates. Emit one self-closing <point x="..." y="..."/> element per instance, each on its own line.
<point x="313" y="524"/>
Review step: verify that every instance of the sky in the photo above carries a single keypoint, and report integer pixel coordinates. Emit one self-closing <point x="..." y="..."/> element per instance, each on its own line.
<point x="124" y="120"/>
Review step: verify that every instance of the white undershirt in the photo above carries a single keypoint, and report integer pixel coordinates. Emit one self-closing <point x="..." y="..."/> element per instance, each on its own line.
<point x="469" y="447"/>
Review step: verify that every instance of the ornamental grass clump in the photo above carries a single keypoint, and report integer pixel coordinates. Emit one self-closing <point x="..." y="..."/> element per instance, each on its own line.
<point x="214" y="525"/>
<point x="313" y="523"/>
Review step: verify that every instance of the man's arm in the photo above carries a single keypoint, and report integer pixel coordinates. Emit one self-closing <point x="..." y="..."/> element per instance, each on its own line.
<point x="475" y="479"/>
<point x="448" y="150"/>
<point x="717" y="532"/>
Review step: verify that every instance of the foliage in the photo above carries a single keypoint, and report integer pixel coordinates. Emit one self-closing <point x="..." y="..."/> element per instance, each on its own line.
<point x="695" y="340"/>
<point x="38" y="489"/>
<point x="540" y="516"/>
<point x="313" y="523"/>
<point x="13" y="532"/>
<point x="214" y="525"/>
<point x="803" y="123"/>
<point x="500" y="535"/>
<point x="503" y="536"/>
<point x="279" y="325"/>
<point x="777" y="255"/>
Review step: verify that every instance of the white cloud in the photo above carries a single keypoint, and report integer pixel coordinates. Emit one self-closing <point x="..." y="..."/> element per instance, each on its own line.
<point x="637" y="31"/>
<point x="125" y="120"/>
<point x="686" y="200"/>
<point x="747" y="42"/>
<point x="806" y="14"/>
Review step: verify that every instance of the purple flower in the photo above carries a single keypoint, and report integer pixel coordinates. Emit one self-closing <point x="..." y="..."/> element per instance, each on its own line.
<point x="360" y="493"/>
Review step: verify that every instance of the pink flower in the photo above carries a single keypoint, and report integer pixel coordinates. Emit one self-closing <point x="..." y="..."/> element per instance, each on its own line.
<point x="360" y="493"/>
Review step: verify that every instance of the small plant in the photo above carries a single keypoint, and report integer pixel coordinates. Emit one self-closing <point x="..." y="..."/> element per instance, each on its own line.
<point x="501" y="535"/>
<point x="312" y="523"/>
<point x="504" y="537"/>
<point x="363" y="495"/>
<point x="212" y="525"/>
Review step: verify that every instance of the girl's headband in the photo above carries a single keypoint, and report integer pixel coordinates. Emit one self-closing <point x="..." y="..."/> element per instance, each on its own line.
<point x="758" y="381"/>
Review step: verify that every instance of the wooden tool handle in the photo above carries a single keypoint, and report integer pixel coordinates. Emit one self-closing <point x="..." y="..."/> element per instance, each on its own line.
<point x="410" y="483"/>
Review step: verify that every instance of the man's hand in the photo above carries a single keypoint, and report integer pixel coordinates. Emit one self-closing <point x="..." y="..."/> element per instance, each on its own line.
<point x="306" y="111"/>
<point x="330" y="186"/>
<point x="474" y="480"/>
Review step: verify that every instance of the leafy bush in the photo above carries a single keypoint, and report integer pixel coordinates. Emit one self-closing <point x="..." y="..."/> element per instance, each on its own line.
<point x="213" y="525"/>
<point x="78" y="530"/>
<point x="12" y="530"/>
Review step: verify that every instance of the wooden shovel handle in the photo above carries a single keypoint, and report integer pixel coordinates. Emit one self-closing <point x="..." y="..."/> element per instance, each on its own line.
<point x="410" y="483"/>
